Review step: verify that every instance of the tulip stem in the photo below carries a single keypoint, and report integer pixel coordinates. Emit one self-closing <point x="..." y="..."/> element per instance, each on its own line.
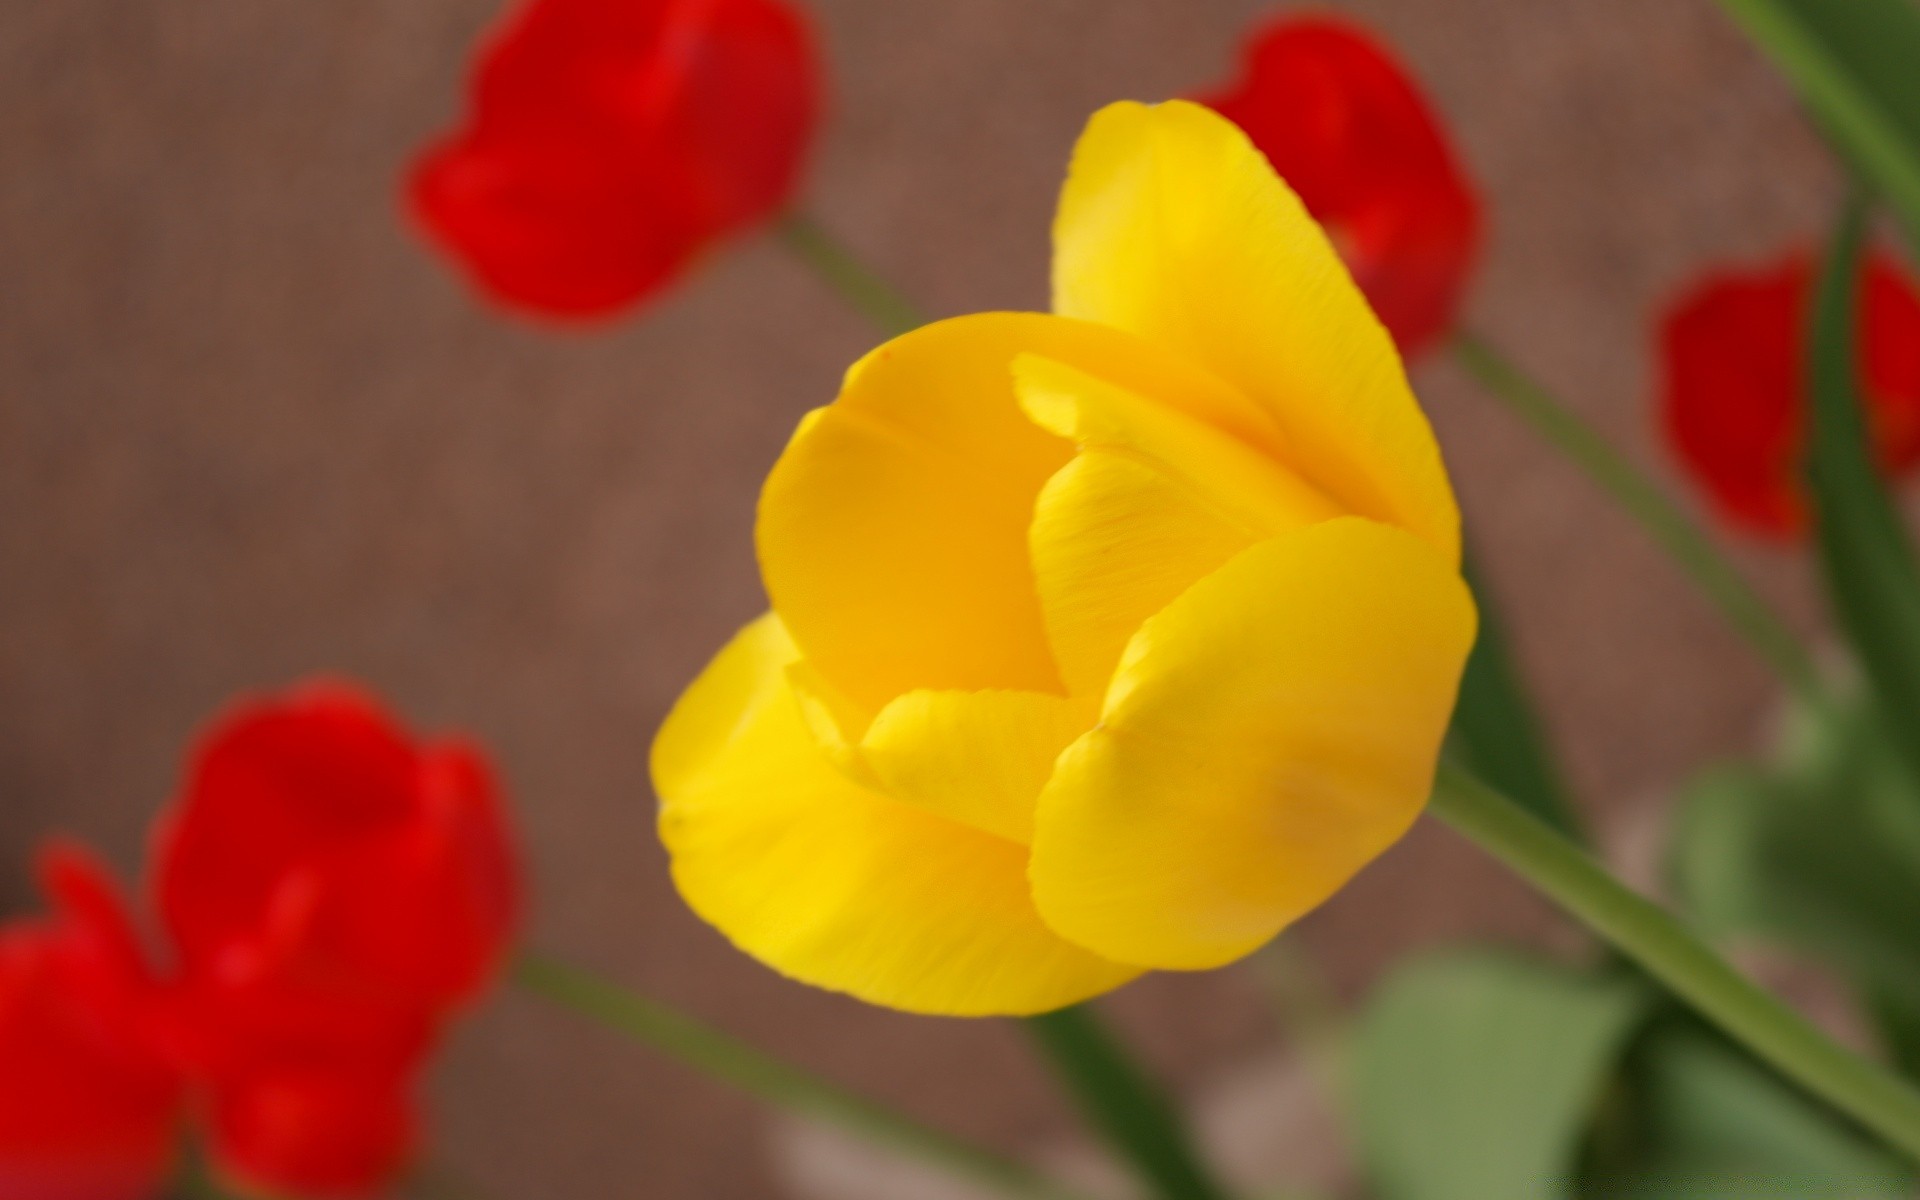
<point x="870" y="295"/>
<point x="1677" y="533"/>
<point x="1120" y="1101"/>
<point x="1652" y="937"/>
<point x="708" y="1050"/>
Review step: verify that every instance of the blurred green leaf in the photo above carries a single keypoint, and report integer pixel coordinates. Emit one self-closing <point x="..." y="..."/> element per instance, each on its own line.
<point x="1872" y="579"/>
<point x="1819" y="851"/>
<point x="1710" y="1123"/>
<point x="1856" y="63"/>
<point x="1495" y="733"/>
<point x="1476" y="1073"/>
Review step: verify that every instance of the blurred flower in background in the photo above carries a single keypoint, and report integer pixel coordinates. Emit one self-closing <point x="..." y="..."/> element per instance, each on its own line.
<point x="608" y="143"/>
<point x="334" y="891"/>
<point x="1734" y="399"/>
<point x="332" y="894"/>
<point x="90" y="1104"/>
<point x="1346" y="127"/>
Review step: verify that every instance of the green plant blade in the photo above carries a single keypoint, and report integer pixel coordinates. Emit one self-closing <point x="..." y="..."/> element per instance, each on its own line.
<point x="1856" y="63"/>
<point x="1872" y="580"/>
<point x="1819" y="851"/>
<point x="1494" y="731"/>
<point x="1710" y="1123"/>
<point x="1477" y="1072"/>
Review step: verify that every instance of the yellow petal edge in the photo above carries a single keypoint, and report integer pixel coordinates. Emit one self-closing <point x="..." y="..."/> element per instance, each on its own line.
<point x="832" y="884"/>
<point x="1268" y="734"/>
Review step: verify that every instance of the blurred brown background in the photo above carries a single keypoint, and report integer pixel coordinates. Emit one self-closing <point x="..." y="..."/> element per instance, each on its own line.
<point x="249" y="430"/>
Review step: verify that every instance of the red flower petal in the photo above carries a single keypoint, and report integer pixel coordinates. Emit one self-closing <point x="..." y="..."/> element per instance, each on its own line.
<point x="1347" y="128"/>
<point x="314" y="1134"/>
<point x="1734" y="392"/>
<point x="332" y="886"/>
<point x="88" y="1103"/>
<point x="609" y="142"/>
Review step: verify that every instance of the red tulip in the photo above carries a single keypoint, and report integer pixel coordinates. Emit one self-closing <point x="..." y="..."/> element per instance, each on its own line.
<point x="321" y="1132"/>
<point x="1346" y="127"/>
<point x="333" y="890"/>
<point x="89" y="1104"/>
<point x="1734" y="397"/>
<point x="609" y="142"/>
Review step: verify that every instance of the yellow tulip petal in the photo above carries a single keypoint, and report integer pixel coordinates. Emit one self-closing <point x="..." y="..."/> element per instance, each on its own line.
<point x="837" y="886"/>
<point x="1266" y="736"/>
<point x="1114" y="541"/>
<point x="1173" y="227"/>
<point x="1251" y="488"/>
<point x="836" y="723"/>
<point x="979" y="758"/>
<point x="1155" y="500"/>
<point x="893" y="531"/>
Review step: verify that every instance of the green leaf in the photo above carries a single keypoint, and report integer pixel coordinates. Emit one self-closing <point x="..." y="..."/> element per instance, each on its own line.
<point x="1872" y="579"/>
<point x="1710" y="1123"/>
<point x="1495" y="734"/>
<point x="1476" y="1073"/>
<point x="1821" y="852"/>
<point x="1856" y="63"/>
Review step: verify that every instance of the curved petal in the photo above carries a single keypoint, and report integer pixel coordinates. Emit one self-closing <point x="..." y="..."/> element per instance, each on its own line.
<point x="1155" y="500"/>
<point x="1173" y="227"/>
<point x="275" y="784"/>
<point x="979" y="758"/>
<point x="837" y="886"/>
<point x="1114" y="541"/>
<point x="892" y="533"/>
<point x="1268" y="734"/>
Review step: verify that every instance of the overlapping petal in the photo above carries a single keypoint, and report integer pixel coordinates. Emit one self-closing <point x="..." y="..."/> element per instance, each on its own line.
<point x="836" y="885"/>
<point x="1266" y="736"/>
<point x="979" y="758"/>
<point x="320" y="857"/>
<point x="1173" y="227"/>
<point x="1155" y="499"/>
<point x="912" y="494"/>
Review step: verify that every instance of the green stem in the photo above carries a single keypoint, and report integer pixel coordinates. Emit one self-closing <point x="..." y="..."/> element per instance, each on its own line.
<point x="1120" y="1101"/>
<point x="1677" y="533"/>
<point x="715" y="1053"/>
<point x="1653" y="938"/>
<point x="1866" y="131"/>
<point x="1872" y="576"/>
<point x="873" y="297"/>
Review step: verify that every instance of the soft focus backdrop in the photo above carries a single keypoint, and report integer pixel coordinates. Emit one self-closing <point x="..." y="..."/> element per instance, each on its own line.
<point x="249" y="430"/>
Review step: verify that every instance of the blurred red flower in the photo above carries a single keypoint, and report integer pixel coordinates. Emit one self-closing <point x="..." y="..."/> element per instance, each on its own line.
<point x="333" y="890"/>
<point x="319" y="1132"/>
<point x="1734" y="398"/>
<point x="608" y="142"/>
<point x="89" y="1102"/>
<point x="1346" y="127"/>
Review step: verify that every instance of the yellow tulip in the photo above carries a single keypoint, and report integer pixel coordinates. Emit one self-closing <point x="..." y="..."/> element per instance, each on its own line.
<point x="1102" y="641"/>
